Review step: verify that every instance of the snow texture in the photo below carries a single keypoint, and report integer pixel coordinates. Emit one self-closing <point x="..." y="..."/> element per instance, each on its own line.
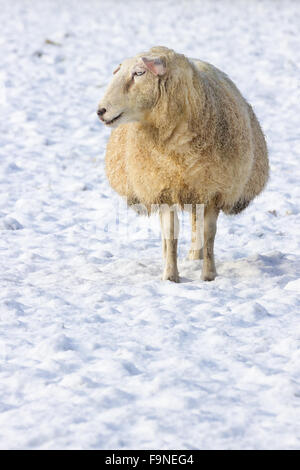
<point x="96" y="352"/>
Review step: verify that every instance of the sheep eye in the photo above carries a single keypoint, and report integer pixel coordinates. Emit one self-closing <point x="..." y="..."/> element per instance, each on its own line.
<point x="139" y="73"/>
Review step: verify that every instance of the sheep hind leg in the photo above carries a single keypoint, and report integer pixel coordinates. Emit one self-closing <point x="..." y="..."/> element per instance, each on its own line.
<point x="196" y="250"/>
<point x="210" y="227"/>
<point x="169" y="226"/>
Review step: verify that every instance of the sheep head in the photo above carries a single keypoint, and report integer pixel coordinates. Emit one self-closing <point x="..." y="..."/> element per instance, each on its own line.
<point x="133" y="91"/>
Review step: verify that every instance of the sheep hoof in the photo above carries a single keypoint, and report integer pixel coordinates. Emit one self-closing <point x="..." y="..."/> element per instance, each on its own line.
<point x="195" y="254"/>
<point x="170" y="276"/>
<point x="209" y="276"/>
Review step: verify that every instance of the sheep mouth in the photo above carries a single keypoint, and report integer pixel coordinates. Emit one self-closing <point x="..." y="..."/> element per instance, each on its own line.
<point x="108" y="123"/>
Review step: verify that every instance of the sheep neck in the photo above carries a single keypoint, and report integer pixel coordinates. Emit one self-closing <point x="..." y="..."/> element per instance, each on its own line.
<point x="178" y="117"/>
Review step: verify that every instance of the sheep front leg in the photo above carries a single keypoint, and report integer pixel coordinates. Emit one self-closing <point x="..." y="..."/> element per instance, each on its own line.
<point x="163" y="240"/>
<point x="196" y="251"/>
<point x="170" y="228"/>
<point x="210" y="227"/>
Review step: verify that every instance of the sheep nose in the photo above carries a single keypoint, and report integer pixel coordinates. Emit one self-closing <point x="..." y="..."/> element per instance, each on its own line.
<point x="101" y="111"/>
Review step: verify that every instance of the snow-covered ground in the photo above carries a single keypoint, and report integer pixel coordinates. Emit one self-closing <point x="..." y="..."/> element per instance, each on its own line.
<point x="95" y="350"/>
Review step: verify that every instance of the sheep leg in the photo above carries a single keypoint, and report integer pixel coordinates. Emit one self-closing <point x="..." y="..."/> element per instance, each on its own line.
<point x="196" y="250"/>
<point x="210" y="227"/>
<point x="163" y="240"/>
<point x="170" y="229"/>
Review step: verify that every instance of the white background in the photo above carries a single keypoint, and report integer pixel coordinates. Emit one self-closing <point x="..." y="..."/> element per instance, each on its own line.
<point x="95" y="351"/>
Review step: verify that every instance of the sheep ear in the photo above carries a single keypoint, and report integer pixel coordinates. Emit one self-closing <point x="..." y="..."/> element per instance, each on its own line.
<point x="156" y="66"/>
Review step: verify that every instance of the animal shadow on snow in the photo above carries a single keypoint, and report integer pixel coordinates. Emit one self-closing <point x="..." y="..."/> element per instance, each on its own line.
<point x="283" y="266"/>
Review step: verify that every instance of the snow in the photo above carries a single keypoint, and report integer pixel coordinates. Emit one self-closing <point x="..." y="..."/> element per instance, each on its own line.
<point x="96" y="352"/>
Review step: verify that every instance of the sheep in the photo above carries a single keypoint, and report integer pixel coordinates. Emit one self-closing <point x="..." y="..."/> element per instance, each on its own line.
<point x="182" y="135"/>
